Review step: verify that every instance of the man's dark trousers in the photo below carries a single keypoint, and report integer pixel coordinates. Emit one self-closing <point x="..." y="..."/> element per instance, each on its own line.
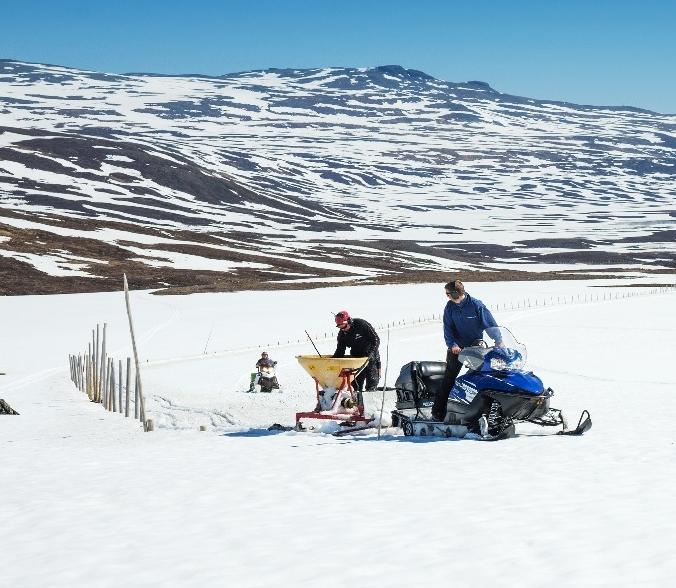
<point x="453" y="367"/>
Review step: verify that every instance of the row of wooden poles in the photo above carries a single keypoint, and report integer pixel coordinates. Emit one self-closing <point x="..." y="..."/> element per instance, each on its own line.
<point x="93" y="372"/>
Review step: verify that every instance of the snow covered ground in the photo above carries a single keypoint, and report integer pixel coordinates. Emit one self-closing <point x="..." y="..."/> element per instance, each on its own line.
<point x="90" y="500"/>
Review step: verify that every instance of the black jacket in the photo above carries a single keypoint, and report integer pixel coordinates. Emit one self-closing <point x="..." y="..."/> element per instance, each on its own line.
<point x="261" y="363"/>
<point x="362" y="340"/>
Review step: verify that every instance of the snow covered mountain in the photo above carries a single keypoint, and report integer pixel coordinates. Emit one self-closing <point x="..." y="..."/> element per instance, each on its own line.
<point x="298" y="177"/>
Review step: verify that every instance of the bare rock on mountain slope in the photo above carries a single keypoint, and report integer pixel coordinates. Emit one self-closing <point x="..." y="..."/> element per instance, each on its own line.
<point x="297" y="178"/>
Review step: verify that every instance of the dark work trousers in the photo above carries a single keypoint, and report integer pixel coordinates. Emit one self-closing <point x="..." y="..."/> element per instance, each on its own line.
<point x="453" y="367"/>
<point x="369" y="376"/>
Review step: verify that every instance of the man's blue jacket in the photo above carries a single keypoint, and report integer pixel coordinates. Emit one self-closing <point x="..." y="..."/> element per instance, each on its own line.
<point x="464" y="323"/>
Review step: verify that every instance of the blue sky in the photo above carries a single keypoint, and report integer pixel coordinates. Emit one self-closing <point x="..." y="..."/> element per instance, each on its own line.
<point x="589" y="52"/>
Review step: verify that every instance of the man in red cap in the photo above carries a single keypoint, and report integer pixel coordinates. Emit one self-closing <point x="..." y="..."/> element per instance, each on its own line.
<point x="363" y="341"/>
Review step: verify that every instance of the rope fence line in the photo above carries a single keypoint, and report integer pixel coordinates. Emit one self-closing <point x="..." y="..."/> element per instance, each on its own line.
<point x="559" y="300"/>
<point x="94" y="373"/>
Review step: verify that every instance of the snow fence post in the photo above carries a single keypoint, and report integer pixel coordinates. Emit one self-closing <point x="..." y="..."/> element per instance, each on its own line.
<point x="126" y="402"/>
<point x="113" y="398"/>
<point x="93" y="366"/>
<point x="90" y="387"/>
<point x="387" y="363"/>
<point x="146" y="426"/>
<point x="136" y="410"/>
<point x="104" y="363"/>
<point x="119" y="385"/>
<point x="97" y="365"/>
<point x="86" y="369"/>
<point x="104" y="385"/>
<point x="111" y="387"/>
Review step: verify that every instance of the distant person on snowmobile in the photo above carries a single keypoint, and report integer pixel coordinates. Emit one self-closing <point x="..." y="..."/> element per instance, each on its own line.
<point x="465" y="319"/>
<point x="363" y="341"/>
<point x="265" y="361"/>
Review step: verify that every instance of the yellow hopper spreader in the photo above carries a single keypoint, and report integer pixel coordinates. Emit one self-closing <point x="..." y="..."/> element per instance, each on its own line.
<point x="336" y="400"/>
<point x="332" y="372"/>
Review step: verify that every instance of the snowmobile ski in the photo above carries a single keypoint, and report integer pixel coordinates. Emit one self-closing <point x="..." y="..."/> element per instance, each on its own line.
<point x="583" y="425"/>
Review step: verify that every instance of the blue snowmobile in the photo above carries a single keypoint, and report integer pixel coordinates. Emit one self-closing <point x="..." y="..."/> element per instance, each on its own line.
<point x="487" y="401"/>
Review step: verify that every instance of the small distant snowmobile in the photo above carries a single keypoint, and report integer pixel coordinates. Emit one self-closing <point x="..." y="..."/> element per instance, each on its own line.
<point x="488" y="400"/>
<point x="265" y="380"/>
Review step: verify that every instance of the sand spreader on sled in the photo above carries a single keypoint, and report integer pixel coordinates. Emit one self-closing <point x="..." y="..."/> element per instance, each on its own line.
<point x="336" y="400"/>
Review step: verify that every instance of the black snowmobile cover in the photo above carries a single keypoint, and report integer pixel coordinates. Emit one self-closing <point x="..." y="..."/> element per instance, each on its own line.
<point x="421" y="380"/>
<point x="406" y="379"/>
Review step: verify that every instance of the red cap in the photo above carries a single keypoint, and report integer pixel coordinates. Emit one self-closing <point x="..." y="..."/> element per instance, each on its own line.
<point x="342" y="317"/>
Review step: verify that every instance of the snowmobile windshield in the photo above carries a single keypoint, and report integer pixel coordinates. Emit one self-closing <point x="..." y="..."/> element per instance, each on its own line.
<point x="505" y="352"/>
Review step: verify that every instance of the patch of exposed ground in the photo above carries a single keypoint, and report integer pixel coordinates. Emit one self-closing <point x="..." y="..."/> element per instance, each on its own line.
<point x="387" y="261"/>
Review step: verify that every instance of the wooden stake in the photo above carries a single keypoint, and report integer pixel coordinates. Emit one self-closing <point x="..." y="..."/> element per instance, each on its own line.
<point x="89" y="360"/>
<point x="89" y="374"/>
<point x="387" y="362"/>
<point x="105" y="396"/>
<point x="126" y="403"/>
<point x="113" y="396"/>
<point x="97" y="366"/>
<point x="136" y="411"/>
<point x="104" y="359"/>
<point x="133" y="344"/>
<point x="110" y="393"/>
<point x="104" y="381"/>
<point x="119" y="384"/>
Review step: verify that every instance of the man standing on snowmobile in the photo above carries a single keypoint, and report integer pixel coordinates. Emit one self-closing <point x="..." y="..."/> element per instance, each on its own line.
<point x="465" y="319"/>
<point x="363" y="341"/>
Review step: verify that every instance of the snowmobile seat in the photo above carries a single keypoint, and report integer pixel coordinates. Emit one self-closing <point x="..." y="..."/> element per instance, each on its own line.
<point x="429" y="369"/>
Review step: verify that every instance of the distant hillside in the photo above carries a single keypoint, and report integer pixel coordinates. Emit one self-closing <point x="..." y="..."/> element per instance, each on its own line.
<point x="298" y="178"/>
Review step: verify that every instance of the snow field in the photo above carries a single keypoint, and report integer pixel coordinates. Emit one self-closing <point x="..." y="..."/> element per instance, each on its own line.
<point x="94" y="501"/>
